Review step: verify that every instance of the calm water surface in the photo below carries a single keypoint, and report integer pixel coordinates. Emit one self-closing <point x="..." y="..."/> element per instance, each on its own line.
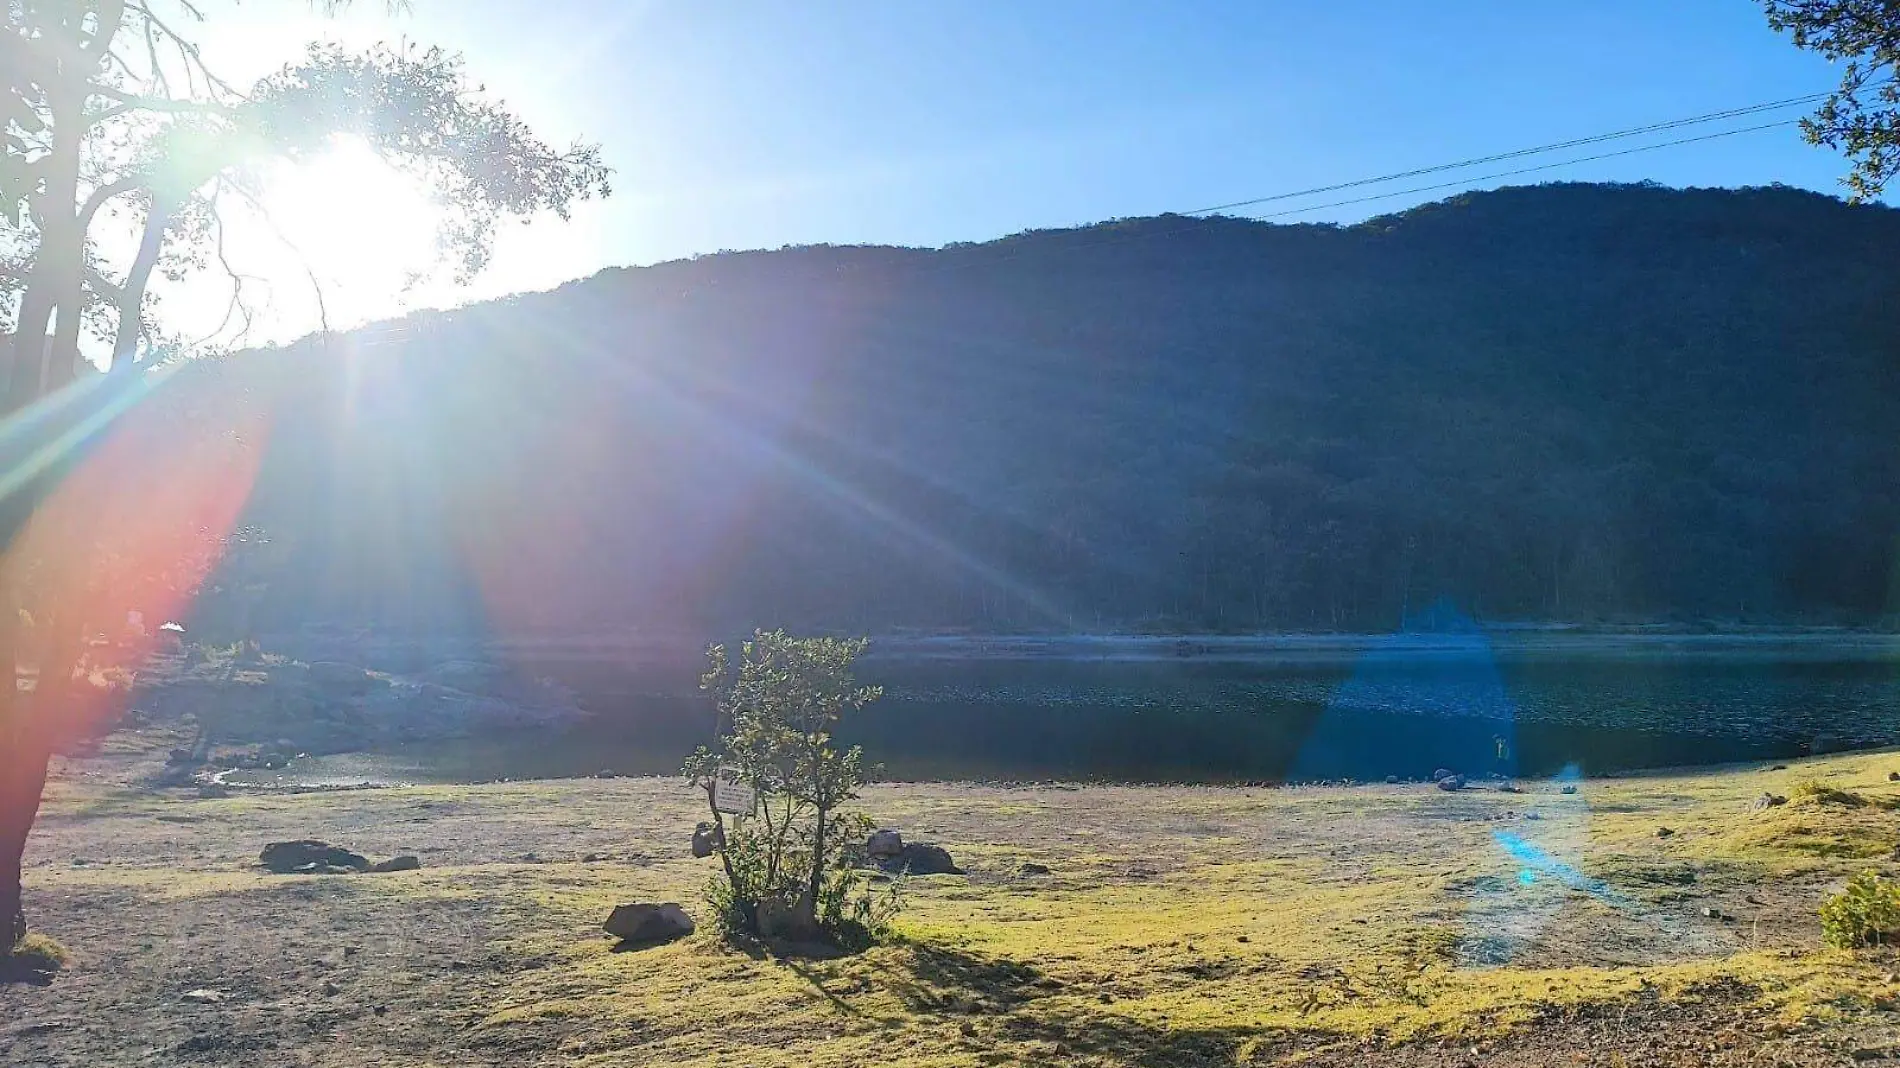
<point x="1217" y="710"/>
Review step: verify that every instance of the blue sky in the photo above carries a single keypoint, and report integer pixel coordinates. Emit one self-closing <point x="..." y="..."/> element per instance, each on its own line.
<point x="747" y="123"/>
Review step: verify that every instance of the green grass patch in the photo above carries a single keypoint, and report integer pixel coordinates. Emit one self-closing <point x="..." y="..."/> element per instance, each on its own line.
<point x="34" y="955"/>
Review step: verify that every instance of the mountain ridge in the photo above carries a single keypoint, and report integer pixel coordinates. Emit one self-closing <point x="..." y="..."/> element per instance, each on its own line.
<point x="1567" y="402"/>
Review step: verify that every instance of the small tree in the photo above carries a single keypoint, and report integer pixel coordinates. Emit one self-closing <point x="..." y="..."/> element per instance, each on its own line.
<point x="788" y="868"/>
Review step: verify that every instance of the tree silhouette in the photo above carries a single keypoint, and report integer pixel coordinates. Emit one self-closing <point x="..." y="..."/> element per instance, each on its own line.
<point x="112" y="121"/>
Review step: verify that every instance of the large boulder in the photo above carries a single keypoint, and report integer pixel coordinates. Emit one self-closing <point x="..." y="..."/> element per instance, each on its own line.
<point x="310" y="856"/>
<point x="917" y="858"/>
<point x="643" y="923"/>
<point x="883" y="845"/>
<point x="1452" y="783"/>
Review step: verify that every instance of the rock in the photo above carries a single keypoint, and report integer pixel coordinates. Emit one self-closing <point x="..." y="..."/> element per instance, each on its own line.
<point x="1665" y="832"/>
<point x="310" y="856"/>
<point x="1569" y="788"/>
<point x="1508" y="788"/>
<point x="181" y="758"/>
<point x="1768" y="801"/>
<point x="606" y="773"/>
<point x="1779" y="767"/>
<point x="1452" y="783"/>
<point x="405" y="862"/>
<point x="204" y="997"/>
<point x="1033" y="868"/>
<point x="643" y="923"/>
<point x="1391" y="780"/>
<point x="921" y="859"/>
<point x="883" y="844"/>
<point x="1714" y="913"/>
<point x="783" y="923"/>
<point x="594" y="858"/>
<point x="1141" y="873"/>
<point x="1442" y="774"/>
<point x="1893" y="776"/>
<point x="333" y="673"/>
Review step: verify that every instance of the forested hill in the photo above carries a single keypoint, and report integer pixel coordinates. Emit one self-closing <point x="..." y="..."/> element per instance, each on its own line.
<point x="1574" y="402"/>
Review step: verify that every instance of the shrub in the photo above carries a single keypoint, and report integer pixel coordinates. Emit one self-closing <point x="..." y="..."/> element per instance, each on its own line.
<point x="788" y="869"/>
<point x="1814" y="791"/>
<point x="35" y="953"/>
<point x="1866" y="913"/>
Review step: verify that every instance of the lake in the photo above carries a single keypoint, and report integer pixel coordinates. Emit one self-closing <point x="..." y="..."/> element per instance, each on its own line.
<point x="1217" y="709"/>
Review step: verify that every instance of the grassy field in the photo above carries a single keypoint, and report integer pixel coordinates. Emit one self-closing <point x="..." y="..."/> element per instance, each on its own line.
<point x="1178" y="926"/>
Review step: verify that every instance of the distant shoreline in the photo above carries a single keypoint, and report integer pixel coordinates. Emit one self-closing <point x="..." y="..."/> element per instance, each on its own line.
<point x="1508" y="641"/>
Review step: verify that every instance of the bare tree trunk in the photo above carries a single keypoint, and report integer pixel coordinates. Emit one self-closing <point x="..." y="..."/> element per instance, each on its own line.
<point x="23" y="758"/>
<point x="809" y="906"/>
<point x="25" y="780"/>
<point x="132" y="296"/>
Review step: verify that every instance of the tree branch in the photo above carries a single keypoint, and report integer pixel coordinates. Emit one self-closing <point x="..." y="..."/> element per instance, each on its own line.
<point x="103" y="194"/>
<point x="103" y="286"/>
<point x="323" y="313"/>
<point x="185" y="48"/>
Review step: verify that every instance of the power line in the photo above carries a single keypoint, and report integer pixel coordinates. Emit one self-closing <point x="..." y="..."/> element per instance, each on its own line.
<point x="1521" y="170"/>
<point x="1194" y="219"/>
<point x="1556" y="146"/>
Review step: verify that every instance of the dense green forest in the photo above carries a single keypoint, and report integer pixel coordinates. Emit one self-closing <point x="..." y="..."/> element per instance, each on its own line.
<point x="1562" y="402"/>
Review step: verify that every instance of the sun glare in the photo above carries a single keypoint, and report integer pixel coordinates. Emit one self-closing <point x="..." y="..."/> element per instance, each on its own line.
<point x="362" y="228"/>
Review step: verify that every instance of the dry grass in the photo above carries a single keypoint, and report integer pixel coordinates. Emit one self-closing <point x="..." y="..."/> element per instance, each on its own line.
<point x="1177" y="926"/>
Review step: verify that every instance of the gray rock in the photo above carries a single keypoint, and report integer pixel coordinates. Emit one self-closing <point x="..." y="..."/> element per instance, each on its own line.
<point x="595" y="858"/>
<point x="310" y="856"/>
<point x="708" y="838"/>
<point x="333" y="673"/>
<point x="1452" y="783"/>
<point x="1033" y="868"/>
<point x="405" y="862"/>
<point x="783" y="923"/>
<point x="1569" y="788"/>
<point x="919" y="858"/>
<point x="204" y="997"/>
<point x="1768" y="801"/>
<point x="1508" y="788"/>
<point x="1391" y="780"/>
<point x="1442" y="774"/>
<point x="883" y="844"/>
<point x="643" y="923"/>
<point x="1665" y="832"/>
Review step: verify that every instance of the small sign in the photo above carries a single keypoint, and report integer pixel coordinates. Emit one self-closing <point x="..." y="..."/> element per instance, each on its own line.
<point x="732" y="796"/>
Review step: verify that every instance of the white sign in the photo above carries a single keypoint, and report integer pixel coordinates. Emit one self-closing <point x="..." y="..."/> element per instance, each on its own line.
<point x="731" y="795"/>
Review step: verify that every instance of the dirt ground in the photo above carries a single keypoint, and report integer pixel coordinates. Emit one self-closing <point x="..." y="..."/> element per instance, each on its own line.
<point x="1388" y="925"/>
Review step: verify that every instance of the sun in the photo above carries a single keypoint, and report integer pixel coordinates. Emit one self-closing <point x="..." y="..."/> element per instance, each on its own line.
<point x="359" y="227"/>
